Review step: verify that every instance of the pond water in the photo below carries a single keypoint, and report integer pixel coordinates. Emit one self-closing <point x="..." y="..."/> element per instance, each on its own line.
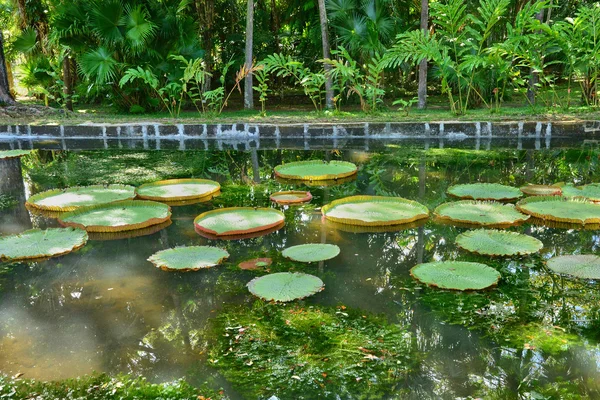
<point x="105" y="308"/>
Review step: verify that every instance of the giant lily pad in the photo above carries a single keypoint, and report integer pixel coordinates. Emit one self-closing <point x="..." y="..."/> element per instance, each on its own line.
<point x="316" y="170"/>
<point x="319" y="184"/>
<point x="480" y="213"/>
<point x="291" y="197"/>
<point x="115" y="217"/>
<point x="256" y="263"/>
<point x="7" y="154"/>
<point x="192" y="258"/>
<point x="150" y="230"/>
<point x="456" y="275"/>
<point x="311" y="252"/>
<point x="238" y="220"/>
<point x="285" y="286"/>
<point x="590" y="192"/>
<point x="498" y="243"/>
<point x="36" y="243"/>
<point x="541" y="190"/>
<point x="485" y="191"/>
<point x="554" y="208"/>
<point x="178" y="189"/>
<point x="374" y="211"/>
<point x="584" y="266"/>
<point x="81" y="196"/>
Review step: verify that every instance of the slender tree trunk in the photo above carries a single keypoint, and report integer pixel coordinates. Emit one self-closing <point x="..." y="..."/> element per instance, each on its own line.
<point x="206" y="15"/>
<point x="422" y="91"/>
<point x="5" y="95"/>
<point x="248" y="97"/>
<point x="68" y="82"/>
<point x="326" y="55"/>
<point x="534" y="77"/>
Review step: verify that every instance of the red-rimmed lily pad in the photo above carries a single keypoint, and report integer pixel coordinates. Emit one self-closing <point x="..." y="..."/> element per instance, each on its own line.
<point x="72" y="198"/>
<point x="291" y="197"/>
<point x="256" y="263"/>
<point x="456" y="275"/>
<point x="316" y="170"/>
<point x="191" y="258"/>
<point x="498" y="243"/>
<point x="541" y="190"/>
<point x="374" y="211"/>
<point x="583" y="266"/>
<point x="37" y="244"/>
<point x="285" y="286"/>
<point x="483" y="213"/>
<point x="485" y="191"/>
<point x="311" y="252"/>
<point x="238" y="220"/>
<point x="173" y="190"/>
<point x="573" y="210"/>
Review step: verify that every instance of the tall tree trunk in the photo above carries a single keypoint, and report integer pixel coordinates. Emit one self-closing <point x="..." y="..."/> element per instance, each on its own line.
<point x="68" y="82"/>
<point x="206" y="15"/>
<point x="326" y="55"/>
<point x="248" y="97"/>
<point x="5" y="95"/>
<point x="422" y="91"/>
<point x="534" y="78"/>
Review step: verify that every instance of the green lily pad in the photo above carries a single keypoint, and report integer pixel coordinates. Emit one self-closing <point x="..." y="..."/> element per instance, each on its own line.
<point x="590" y="192"/>
<point x="115" y="217"/>
<point x="541" y="190"/>
<point x="498" y="243"/>
<point x="555" y="208"/>
<point x="178" y="189"/>
<point x="81" y="196"/>
<point x="36" y="243"/>
<point x="584" y="266"/>
<point x="238" y="220"/>
<point x="485" y="191"/>
<point x="285" y="286"/>
<point x="192" y="258"/>
<point x="311" y="252"/>
<point x="374" y="211"/>
<point x="456" y="275"/>
<point x="7" y="154"/>
<point x="315" y="170"/>
<point x="480" y="213"/>
<point x="291" y="197"/>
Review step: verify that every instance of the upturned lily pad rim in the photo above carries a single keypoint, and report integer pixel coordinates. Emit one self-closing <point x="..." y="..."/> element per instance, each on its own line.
<point x="168" y="182"/>
<point x="11" y="154"/>
<point x="353" y="169"/>
<point x="237" y="232"/>
<point x="193" y="201"/>
<point x="536" y="244"/>
<point x="522" y="206"/>
<point x="38" y="257"/>
<point x="550" y="263"/>
<point x="53" y="192"/>
<point x="159" y="262"/>
<point x="319" y="184"/>
<point x="531" y="190"/>
<point x="456" y="263"/>
<point x="292" y="252"/>
<point x="424" y="211"/>
<point x="108" y="236"/>
<point x="563" y="225"/>
<point x="302" y="197"/>
<point x="374" y="229"/>
<point x="250" y="285"/>
<point x="118" y="204"/>
<point x="451" y="191"/>
<point x="471" y="223"/>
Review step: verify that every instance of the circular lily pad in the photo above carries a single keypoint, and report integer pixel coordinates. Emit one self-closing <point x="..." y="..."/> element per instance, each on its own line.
<point x="541" y="190"/>
<point x="555" y="208"/>
<point x="590" y="192"/>
<point x="311" y="252"/>
<point x="498" y="243"/>
<point x="584" y="266"/>
<point x="374" y="211"/>
<point x="480" y="213"/>
<point x="256" y="263"/>
<point x="485" y="191"/>
<point x="291" y="197"/>
<point x="81" y="196"/>
<point x="238" y="220"/>
<point x="6" y="154"/>
<point x="115" y="217"/>
<point x="36" y="243"/>
<point x="178" y="189"/>
<point x="319" y="184"/>
<point x="316" y="170"/>
<point x="456" y="275"/>
<point x="285" y="286"/>
<point x="192" y="258"/>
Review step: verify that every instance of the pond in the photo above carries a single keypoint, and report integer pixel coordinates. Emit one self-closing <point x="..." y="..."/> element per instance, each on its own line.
<point x="373" y="332"/>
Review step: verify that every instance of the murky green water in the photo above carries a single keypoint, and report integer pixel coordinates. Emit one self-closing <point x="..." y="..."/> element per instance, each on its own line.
<point x="106" y="309"/>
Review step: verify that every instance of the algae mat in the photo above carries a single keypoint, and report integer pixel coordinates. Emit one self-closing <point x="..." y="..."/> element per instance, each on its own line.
<point x="81" y="196"/>
<point x="36" y="243"/>
<point x="120" y="216"/>
<point x="238" y="220"/>
<point x="374" y="211"/>
<point x="315" y="170"/>
<point x="561" y="209"/>
<point x="178" y="189"/>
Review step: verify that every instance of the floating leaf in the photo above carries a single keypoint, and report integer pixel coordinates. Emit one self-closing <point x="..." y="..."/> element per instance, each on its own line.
<point x="374" y="211"/>
<point x="285" y="286"/>
<point x="590" y="192"/>
<point x="291" y="197"/>
<point x="150" y="230"/>
<point x="311" y="252"/>
<point x="456" y="275"/>
<point x="80" y="196"/>
<point x="480" y="213"/>
<point x="485" y="191"/>
<point x="238" y="220"/>
<point x="192" y="258"/>
<point x="36" y="243"/>
<point x="498" y="243"/>
<point x="541" y="190"/>
<point x="376" y="229"/>
<point x="178" y="189"/>
<point x="319" y="183"/>
<point x="555" y="208"/>
<point x="7" y="154"/>
<point x="584" y="266"/>
<point x="256" y="263"/>
<point x="316" y="170"/>
<point x="120" y="216"/>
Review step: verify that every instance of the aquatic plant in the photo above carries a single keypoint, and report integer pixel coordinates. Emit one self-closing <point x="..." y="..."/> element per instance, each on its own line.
<point x="178" y="190"/>
<point x="541" y="190"/>
<point x="311" y="252"/>
<point x="480" y="213"/>
<point x="238" y="221"/>
<point x="256" y="263"/>
<point x="315" y="170"/>
<point x="374" y="211"/>
<point x="498" y="243"/>
<point x="36" y="243"/>
<point x="285" y="286"/>
<point x="590" y="192"/>
<point x="191" y="258"/>
<point x="456" y="275"/>
<point x="583" y="266"/>
<point x="291" y="197"/>
<point x="485" y="191"/>
<point x="72" y="198"/>
<point x="8" y="154"/>
<point x="555" y="208"/>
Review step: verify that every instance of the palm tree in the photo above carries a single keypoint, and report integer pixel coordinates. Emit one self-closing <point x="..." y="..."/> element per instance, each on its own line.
<point x="422" y="90"/>
<point x="248" y="98"/>
<point x="5" y="95"/>
<point x="326" y="55"/>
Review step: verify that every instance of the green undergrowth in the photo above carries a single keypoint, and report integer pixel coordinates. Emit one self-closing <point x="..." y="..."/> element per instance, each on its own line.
<point x="7" y="201"/>
<point x="307" y="352"/>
